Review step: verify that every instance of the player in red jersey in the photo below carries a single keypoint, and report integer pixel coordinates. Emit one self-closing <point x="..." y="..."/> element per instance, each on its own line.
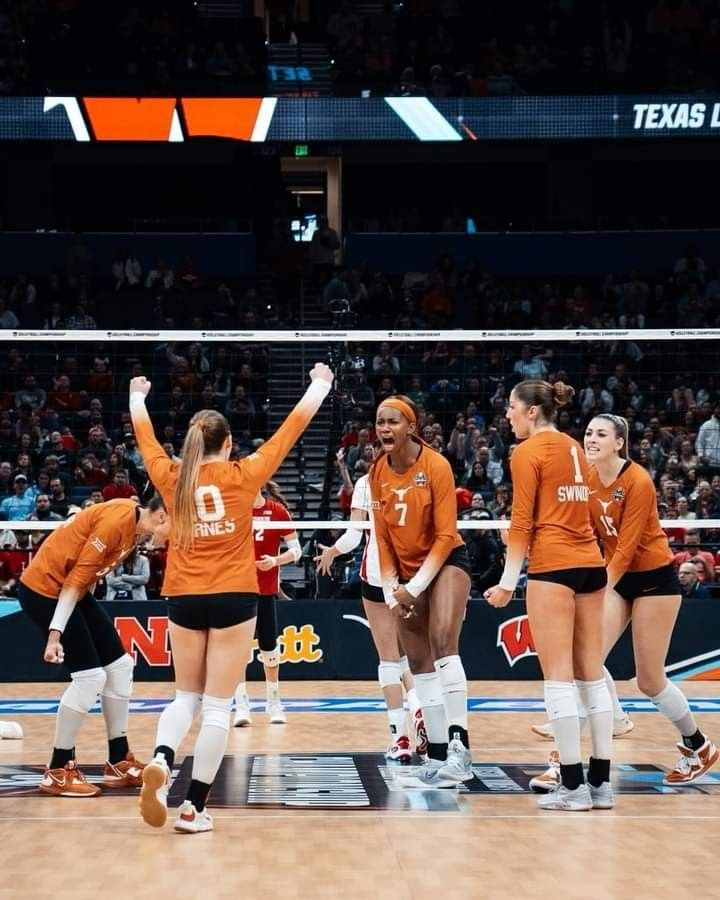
<point x="268" y="561"/>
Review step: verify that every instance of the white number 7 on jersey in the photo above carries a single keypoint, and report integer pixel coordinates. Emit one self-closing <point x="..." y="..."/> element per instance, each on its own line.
<point x="402" y="507"/>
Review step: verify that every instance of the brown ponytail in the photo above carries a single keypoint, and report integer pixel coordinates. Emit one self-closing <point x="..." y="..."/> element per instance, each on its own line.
<point x="273" y="491"/>
<point x="206" y="435"/>
<point x="549" y="397"/>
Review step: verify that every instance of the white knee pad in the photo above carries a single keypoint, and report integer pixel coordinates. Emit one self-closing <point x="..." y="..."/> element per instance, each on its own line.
<point x="594" y="696"/>
<point x="429" y="689"/>
<point x="83" y="690"/>
<point x="270" y="658"/>
<point x="388" y="673"/>
<point x="404" y="665"/>
<point x="119" y="678"/>
<point x="452" y="674"/>
<point x="671" y="702"/>
<point x="560" y="702"/>
<point x="216" y="712"/>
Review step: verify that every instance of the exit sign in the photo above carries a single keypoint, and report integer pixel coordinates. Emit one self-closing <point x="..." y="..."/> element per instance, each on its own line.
<point x="301" y="150"/>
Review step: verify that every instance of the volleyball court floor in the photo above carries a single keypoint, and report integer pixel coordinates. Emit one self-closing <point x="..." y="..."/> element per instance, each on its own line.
<point x="311" y="809"/>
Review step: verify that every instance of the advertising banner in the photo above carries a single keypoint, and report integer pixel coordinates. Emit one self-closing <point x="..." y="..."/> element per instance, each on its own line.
<point x="327" y="639"/>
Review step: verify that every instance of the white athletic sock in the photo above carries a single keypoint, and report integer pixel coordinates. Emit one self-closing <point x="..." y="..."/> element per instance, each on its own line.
<point x="272" y="689"/>
<point x="582" y="712"/>
<point x="673" y="704"/>
<point x="176" y="719"/>
<point x="413" y="702"/>
<point x="596" y="699"/>
<point x="67" y="725"/>
<point x="454" y="687"/>
<point x="562" y="713"/>
<point x="397" y="719"/>
<point x="618" y="711"/>
<point x="241" y="690"/>
<point x="212" y="738"/>
<point x="429" y="691"/>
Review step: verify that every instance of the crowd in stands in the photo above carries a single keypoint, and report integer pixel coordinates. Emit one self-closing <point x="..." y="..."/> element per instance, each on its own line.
<point x="466" y="48"/>
<point x="414" y="48"/>
<point x="125" y="48"/>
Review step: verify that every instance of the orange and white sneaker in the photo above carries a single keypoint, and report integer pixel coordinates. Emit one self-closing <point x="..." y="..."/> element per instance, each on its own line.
<point x="693" y="764"/>
<point x="67" y="782"/>
<point x="154" y="792"/>
<point x="421" y="739"/>
<point x="190" y="821"/>
<point x="550" y="778"/>
<point x="400" y="750"/>
<point x="126" y="773"/>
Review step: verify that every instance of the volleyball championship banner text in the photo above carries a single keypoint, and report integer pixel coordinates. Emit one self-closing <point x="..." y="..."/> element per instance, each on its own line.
<point x="326" y="639"/>
<point x="451" y="119"/>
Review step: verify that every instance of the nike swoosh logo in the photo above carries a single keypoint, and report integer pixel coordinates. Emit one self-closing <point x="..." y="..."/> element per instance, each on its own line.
<point x="591" y="493"/>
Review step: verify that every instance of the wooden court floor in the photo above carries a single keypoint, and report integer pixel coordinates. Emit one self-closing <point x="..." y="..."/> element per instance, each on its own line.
<point x="659" y="846"/>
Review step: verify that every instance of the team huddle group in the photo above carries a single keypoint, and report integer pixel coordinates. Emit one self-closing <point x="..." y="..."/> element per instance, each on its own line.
<point x="222" y="576"/>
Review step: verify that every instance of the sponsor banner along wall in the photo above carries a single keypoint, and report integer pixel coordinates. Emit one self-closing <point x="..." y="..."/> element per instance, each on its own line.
<point x="326" y="639"/>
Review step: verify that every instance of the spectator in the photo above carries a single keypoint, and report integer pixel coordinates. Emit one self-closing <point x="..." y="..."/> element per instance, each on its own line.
<point x="119" y="488"/>
<point x="21" y="503"/>
<point x="323" y="246"/>
<point x="128" y="580"/>
<point x="30" y="395"/>
<point x="707" y="445"/>
<point x="59" y="502"/>
<point x="693" y="552"/>
<point x="529" y="366"/>
<point x="6" y="479"/>
<point x="690" y="585"/>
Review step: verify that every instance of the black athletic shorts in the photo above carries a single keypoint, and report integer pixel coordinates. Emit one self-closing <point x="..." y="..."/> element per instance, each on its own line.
<point x="660" y="582"/>
<point x="90" y="640"/>
<point x="459" y="558"/>
<point x="203" y="611"/>
<point x="371" y="592"/>
<point x="580" y="581"/>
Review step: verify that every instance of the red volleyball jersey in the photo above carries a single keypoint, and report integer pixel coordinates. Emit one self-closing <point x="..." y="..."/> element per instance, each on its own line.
<point x="267" y="542"/>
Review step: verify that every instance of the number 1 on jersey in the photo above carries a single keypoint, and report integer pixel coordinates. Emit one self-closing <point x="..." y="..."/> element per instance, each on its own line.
<point x="576" y="462"/>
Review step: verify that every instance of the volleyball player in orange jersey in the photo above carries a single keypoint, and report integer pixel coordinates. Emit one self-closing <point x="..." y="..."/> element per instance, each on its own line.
<point x="425" y="574"/>
<point x="56" y="592"/>
<point x="643" y="588"/>
<point x="268" y="560"/>
<point x="550" y="524"/>
<point x="210" y="582"/>
<point x="393" y="669"/>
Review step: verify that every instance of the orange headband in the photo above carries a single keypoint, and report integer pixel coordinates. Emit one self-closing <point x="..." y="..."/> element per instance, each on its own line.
<point x="401" y="406"/>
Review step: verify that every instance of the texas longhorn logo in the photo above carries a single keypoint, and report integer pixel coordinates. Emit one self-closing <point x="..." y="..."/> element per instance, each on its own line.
<point x="516" y="640"/>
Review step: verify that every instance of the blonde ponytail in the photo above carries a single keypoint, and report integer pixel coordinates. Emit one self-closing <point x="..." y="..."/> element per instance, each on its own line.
<point x="185" y="508"/>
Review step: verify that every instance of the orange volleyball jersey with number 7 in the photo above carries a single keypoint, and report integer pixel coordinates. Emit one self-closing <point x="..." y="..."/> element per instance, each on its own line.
<point x="222" y="559"/>
<point x="550" y="512"/>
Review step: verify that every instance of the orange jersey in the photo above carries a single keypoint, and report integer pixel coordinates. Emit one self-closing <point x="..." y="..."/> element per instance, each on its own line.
<point x="415" y="518"/>
<point x="625" y="516"/>
<point x="222" y="559"/>
<point x="84" y="549"/>
<point x="550" y="520"/>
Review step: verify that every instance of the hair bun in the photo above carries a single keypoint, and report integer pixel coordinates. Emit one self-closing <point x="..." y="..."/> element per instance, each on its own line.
<point x="562" y="393"/>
